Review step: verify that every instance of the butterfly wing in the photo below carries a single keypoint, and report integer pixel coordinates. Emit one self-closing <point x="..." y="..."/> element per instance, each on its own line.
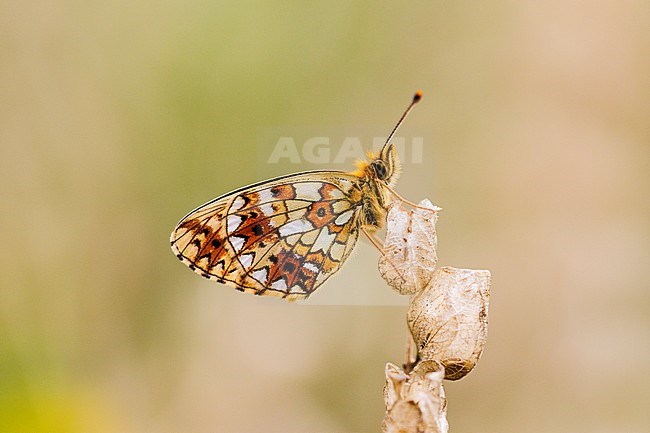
<point x="282" y="237"/>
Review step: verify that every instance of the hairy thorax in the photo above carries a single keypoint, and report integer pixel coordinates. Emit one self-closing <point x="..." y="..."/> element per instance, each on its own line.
<point x="374" y="205"/>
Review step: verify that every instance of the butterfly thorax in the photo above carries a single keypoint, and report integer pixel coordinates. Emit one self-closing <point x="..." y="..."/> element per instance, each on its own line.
<point x="376" y="174"/>
<point x="374" y="203"/>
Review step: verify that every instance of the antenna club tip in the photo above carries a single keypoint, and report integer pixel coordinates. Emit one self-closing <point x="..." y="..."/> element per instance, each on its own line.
<point x="417" y="96"/>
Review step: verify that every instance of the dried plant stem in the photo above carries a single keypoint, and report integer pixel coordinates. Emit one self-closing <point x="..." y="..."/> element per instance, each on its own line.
<point x="411" y="354"/>
<point x="447" y="320"/>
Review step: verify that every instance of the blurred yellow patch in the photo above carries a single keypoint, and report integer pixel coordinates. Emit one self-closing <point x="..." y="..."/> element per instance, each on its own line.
<point x="23" y="411"/>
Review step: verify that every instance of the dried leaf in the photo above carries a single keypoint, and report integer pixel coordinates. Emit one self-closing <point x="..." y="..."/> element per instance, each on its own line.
<point x="449" y="319"/>
<point x="409" y="258"/>
<point x="415" y="403"/>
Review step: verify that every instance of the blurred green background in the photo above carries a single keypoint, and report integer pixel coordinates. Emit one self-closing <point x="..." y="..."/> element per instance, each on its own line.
<point x="118" y="117"/>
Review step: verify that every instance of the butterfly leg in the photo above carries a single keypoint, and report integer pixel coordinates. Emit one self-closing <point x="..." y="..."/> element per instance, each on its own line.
<point x="379" y="245"/>
<point x="410" y="203"/>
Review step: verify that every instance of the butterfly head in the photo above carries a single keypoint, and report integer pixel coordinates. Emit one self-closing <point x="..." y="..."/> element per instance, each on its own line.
<point x="386" y="166"/>
<point x="383" y="168"/>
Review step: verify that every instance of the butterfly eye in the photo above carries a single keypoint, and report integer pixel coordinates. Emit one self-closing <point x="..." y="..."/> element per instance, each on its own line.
<point x="380" y="169"/>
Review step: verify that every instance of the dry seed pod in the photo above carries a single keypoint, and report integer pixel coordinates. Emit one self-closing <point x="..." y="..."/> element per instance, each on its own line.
<point x="415" y="402"/>
<point x="410" y="248"/>
<point x="449" y="319"/>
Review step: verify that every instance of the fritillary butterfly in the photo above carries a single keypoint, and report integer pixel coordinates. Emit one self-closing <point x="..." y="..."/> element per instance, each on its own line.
<point x="286" y="236"/>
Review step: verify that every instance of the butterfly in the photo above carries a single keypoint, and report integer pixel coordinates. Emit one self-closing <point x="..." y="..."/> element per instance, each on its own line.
<point x="286" y="236"/>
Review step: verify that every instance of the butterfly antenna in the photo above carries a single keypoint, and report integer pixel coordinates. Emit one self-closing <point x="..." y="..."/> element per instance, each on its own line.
<point x="416" y="98"/>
